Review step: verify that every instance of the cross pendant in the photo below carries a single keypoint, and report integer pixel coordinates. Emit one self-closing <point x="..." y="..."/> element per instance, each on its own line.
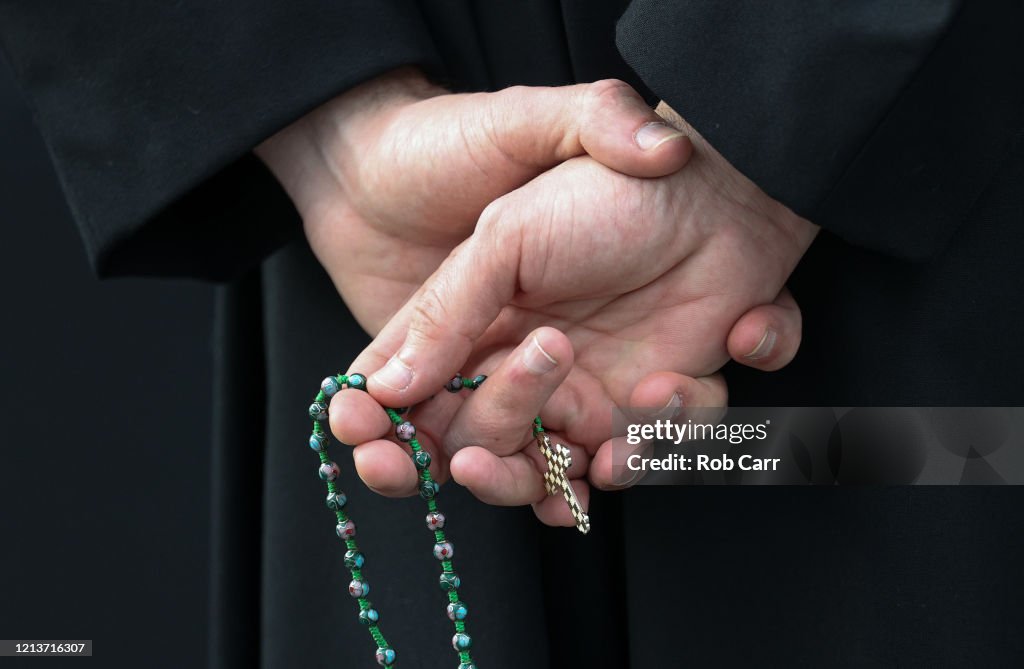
<point x="555" y="479"/>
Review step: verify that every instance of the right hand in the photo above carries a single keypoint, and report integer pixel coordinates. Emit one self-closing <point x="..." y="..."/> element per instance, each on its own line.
<point x="642" y="276"/>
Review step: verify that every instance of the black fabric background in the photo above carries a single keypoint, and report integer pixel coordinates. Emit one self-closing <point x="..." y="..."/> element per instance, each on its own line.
<point x="104" y="435"/>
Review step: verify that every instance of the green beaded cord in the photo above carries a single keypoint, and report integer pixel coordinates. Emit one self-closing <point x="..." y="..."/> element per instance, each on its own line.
<point x="439" y="535"/>
<point x="350" y="543"/>
<point x="448" y="579"/>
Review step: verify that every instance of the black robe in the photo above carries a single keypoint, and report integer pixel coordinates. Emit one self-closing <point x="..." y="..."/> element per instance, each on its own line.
<point x="897" y="126"/>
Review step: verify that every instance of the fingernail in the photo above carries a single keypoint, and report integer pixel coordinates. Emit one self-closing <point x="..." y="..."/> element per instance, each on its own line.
<point x="634" y="475"/>
<point x="764" y="347"/>
<point x="632" y="479"/>
<point x="670" y="410"/>
<point x="536" y="359"/>
<point x="653" y="135"/>
<point x="396" y="375"/>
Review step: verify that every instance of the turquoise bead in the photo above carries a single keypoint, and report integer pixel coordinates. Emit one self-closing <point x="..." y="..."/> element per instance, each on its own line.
<point x="369" y="616"/>
<point x="318" y="441"/>
<point x="462" y="641"/>
<point x="421" y="459"/>
<point x="318" y="411"/>
<point x="385" y="657"/>
<point x="428" y="489"/>
<point x="457" y="611"/>
<point x="336" y="501"/>
<point x="450" y="581"/>
<point x="330" y="386"/>
<point x="479" y="379"/>
<point x="357" y="381"/>
<point x="354" y="559"/>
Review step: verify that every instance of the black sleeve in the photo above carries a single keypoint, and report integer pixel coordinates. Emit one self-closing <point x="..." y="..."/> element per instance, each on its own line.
<point x="150" y="109"/>
<point x="880" y="120"/>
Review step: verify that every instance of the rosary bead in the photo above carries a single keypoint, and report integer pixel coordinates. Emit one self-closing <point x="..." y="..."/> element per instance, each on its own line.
<point x="467" y="665"/>
<point x="462" y="641"/>
<point x="354" y="559"/>
<point x="330" y="386"/>
<point x="357" y="381"/>
<point x="385" y="657"/>
<point x="443" y="550"/>
<point x="346" y="530"/>
<point x="318" y="441"/>
<point x="405" y="431"/>
<point x="455" y="385"/>
<point x="479" y="379"/>
<point x="435" y="520"/>
<point x="369" y="616"/>
<point x="428" y="489"/>
<point x="450" y="581"/>
<point x="336" y="501"/>
<point x="421" y="459"/>
<point x="318" y="411"/>
<point x="457" y="611"/>
<point x="329" y="471"/>
<point x="358" y="588"/>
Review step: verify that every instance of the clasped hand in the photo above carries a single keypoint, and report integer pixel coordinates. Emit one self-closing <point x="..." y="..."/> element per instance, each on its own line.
<point x="580" y="249"/>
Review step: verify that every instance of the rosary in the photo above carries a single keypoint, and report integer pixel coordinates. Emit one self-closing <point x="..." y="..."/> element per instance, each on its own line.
<point x="555" y="480"/>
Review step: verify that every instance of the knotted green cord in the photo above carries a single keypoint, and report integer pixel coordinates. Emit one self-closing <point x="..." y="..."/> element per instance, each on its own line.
<point x="343" y="517"/>
<point x="426" y="484"/>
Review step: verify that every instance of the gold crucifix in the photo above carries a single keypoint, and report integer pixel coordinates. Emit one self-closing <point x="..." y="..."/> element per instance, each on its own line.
<point x="555" y="479"/>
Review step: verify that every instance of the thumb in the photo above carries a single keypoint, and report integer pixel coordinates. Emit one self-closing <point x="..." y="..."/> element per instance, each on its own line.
<point x="542" y="127"/>
<point x="432" y="336"/>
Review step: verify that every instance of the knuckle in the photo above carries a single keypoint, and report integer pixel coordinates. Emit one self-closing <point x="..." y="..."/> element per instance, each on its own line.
<point x="494" y="216"/>
<point x="607" y="92"/>
<point x="430" y="314"/>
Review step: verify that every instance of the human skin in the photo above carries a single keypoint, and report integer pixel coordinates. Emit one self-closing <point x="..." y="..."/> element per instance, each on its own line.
<point x="639" y="276"/>
<point x="390" y="176"/>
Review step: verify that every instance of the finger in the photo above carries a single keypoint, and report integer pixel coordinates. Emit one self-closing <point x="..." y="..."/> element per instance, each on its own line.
<point x="767" y="337"/>
<point x="500" y="412"/>
<point x="512" y="480"/>
<point x="607" y="119"/>
<point x="439" y="325"/>
<point x="386" y="465"/>
<point x="356" y="417"/>
<point x="668" y="393"/>
<point x="555" y="512"/>
<point x="385" y="468"/>
<point x="659" y="396"/>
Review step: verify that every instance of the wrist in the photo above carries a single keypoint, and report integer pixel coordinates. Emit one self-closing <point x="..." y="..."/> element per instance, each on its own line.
<point x="312" y="157"/>
<point x="795" y="229"/>
<point x="792" y="233"/>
